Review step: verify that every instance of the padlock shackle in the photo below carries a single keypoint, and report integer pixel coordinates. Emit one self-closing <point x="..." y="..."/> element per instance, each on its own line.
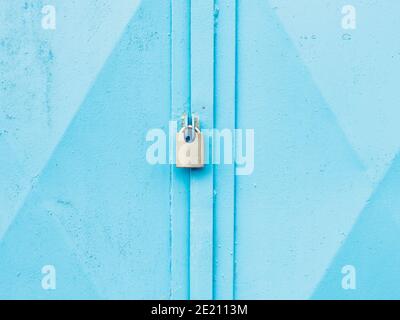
<point x="191" y="127"/>
<point x="192" y="121"/>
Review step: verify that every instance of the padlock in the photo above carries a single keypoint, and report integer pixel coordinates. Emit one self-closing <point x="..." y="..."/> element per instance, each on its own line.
<point x="189" y="145"/>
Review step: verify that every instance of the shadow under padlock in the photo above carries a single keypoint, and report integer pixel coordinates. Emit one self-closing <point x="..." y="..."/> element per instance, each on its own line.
<point x="189" y="144"/>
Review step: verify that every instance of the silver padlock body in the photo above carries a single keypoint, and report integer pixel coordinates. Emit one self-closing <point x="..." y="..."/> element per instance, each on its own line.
<point x="189" y="154"/>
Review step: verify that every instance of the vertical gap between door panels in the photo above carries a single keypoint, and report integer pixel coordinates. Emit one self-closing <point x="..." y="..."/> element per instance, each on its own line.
<point x="170" y="165"/>
<point x="212" y="151"/>
<point x="234" y="152"/>
<point x="189" y="111"/>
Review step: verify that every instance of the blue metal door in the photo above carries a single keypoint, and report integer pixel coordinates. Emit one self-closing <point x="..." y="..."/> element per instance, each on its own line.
<point x="83" y="214"/>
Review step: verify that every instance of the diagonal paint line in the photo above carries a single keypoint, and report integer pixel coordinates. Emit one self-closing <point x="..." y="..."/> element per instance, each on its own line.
<point x="66" y="236"/>
<point x="16" y="180"/>
<point x="356" y="154"/>
<point x="30" y="188"/>
<point x="368" y="185"/>
<point x="374" y="190"/>
<point x="315" y="84"/>
<point x="353" y="105"/>
<point x="373" y="186"/>
<point x="71" y="244"/>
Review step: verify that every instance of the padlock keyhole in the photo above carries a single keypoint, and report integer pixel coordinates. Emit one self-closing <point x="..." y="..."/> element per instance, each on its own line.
<point x="189" y="134"/>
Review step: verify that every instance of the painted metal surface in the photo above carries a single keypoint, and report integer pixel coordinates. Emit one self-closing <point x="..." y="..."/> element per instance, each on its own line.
<point x="201" y="181"/>
<point x="224" y="174"/>
<point x="76" y="190"/>
<point x="180" y="179"/>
